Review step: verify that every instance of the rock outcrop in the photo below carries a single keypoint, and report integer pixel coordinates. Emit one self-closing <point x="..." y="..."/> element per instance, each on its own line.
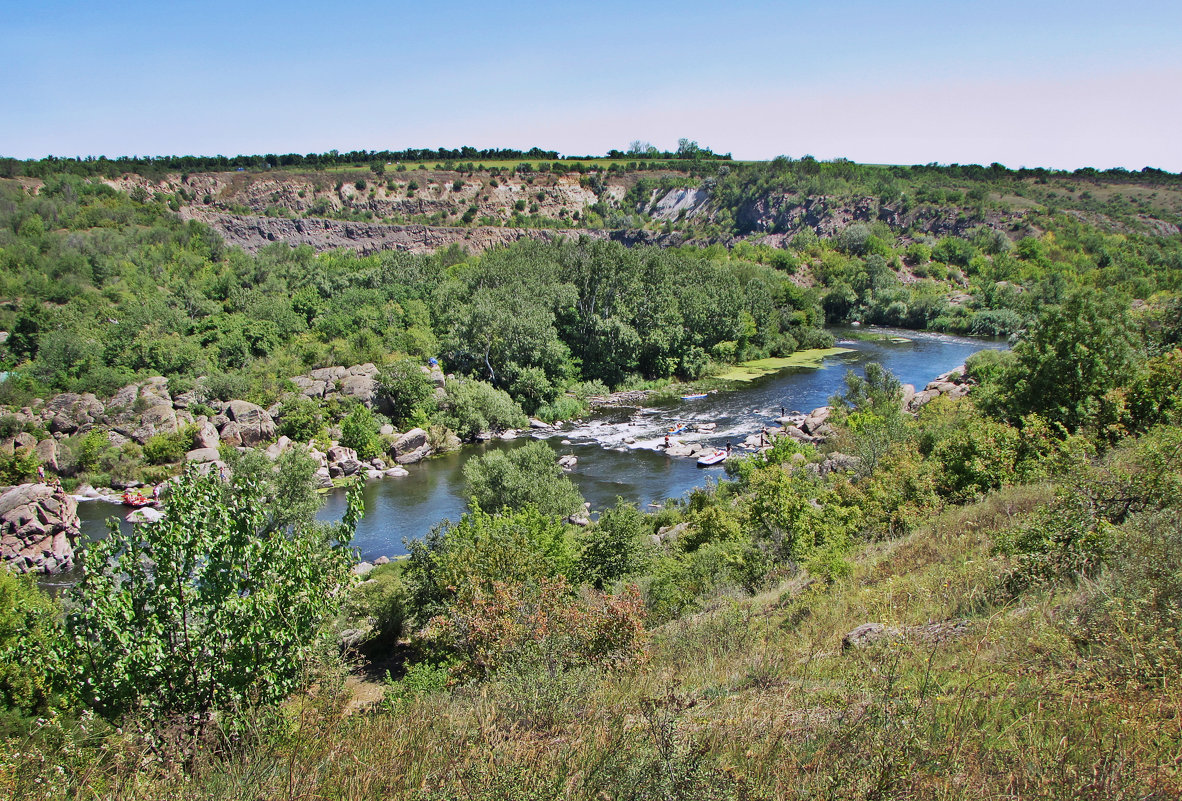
<point x="255" y="426"/>
<point x="38" y="523"/>
<point x="953" y="383"/>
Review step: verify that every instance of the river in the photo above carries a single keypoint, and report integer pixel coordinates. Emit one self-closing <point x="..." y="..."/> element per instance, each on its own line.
<point x="407" y="508"/>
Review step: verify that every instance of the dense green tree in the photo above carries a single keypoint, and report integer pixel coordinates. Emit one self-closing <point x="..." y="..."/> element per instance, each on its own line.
<point x="456" y="561"/>
<point x="525" y="476"/>
<point x="471" y="407"/>
<point x="29" y="640"/>
<point x="204" y="610"/>
<point x="615" y="548"/>
<point x="359" y="431"/>
<point x="403" y="388"/>
<point x="1075" y="353"/>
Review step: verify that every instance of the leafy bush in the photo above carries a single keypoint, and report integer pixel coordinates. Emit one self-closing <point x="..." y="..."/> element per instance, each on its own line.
<point x="359" y="431"/>
<point x="1075" y="354"/>
<point x="525" y="476"/>
<point x="456" y="561"/>
<point x="681" y="581"/>
<point x="403" y="388"/>
<point x="169" y="447"/>
<point x="198" y="612"/>
<point x="379" y="603"/>
<point x="226" y="386"/>
<point x="29" y="638"/>
<point x="300" y="419"/>
<point x="978" y="456"/>
<point x="514" y="620"/>
<point x="1131" y="620"/>
<point x="20" y="467"/>
<point x="87" y="450"/>
<point x="471" y="407"/>
<point x="614" y="548"/>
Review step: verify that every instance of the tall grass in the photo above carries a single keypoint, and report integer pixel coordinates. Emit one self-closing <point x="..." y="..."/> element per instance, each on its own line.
<point x="981" y="697"/>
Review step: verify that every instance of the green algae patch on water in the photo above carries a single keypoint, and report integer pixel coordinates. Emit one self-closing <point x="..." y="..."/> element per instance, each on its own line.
<point x="749" y="371"/>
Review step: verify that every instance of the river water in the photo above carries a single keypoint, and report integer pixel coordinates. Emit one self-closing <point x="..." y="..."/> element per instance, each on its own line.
<point x="608" y="465"/>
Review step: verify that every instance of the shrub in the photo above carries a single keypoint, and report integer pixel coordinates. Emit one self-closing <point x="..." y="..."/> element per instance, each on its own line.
<point x="525" y="476"/>
<point x="455" y="561"/>
<point x="614" y="548"/>
<point x="977" y="456"/>
<point x="170" y="447"/>
<point x="29" y="633"/>
<point x="512" y="621"/>
<point x="380" y="603"/>
<point x="300" y="419"/>
<point x="226" y="386"/>
<point x="403" y="388"/>
<point x="1131" y="620"/>
<point x="471" y="407"/>
<point x="86" y="451"/>
<point x="20" y="467"/>
<point x="359" y="431"/>
<point x="199" y="612"/>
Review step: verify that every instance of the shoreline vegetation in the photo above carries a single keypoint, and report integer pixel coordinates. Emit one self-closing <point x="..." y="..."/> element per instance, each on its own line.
<point x="969" y="591"/>
<point x="759" y="368"/>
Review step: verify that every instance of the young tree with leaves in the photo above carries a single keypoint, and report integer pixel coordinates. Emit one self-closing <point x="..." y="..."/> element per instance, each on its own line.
<point x="208" y="609"/>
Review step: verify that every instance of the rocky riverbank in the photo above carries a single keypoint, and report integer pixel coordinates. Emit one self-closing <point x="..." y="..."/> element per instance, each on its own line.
<point x="814" y="429"/>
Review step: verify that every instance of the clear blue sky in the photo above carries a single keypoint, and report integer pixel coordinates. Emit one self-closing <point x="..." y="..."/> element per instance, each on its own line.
<point x="1056" y="84"/>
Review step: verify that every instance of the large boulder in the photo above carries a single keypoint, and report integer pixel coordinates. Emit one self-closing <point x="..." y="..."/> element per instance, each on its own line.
<point x="411" y="447"/>
<point x="206" y="435"/>
<point x="46" y="451"/>
<point x="124" y="398"/>
<point x="155" y="390"/>
<point x="145" y="515"/>
<point x="816" y="420"/>
<point x="37" y="524"/>
<point x="920" y="398"/>
<point x="415" y="456"/>
<point x="255" y="425"/>
<point x="202" y="455"/>
<point x="339" y="453"/>
<point x="362" y="387"/>
<point x="329" y="375"/>
<point x="345" y="467"/>
<point x="231" y="434"/>
<point x="278" y="448"/>
<point x="68" y="412"/>
<point x="158" y="419"/>
<point x="410" y="441"/>
<point x="309" y="387"/>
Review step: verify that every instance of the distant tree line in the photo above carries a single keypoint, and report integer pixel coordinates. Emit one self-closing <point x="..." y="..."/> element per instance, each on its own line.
<point x="101" y="165"/>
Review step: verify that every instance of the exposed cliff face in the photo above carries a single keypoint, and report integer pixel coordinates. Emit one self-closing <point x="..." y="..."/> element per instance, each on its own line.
<point x="397" y="196"/>
<point x="420" y="211"/>
<point x="252" y="233"/>
<point x="826" y="216"/>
